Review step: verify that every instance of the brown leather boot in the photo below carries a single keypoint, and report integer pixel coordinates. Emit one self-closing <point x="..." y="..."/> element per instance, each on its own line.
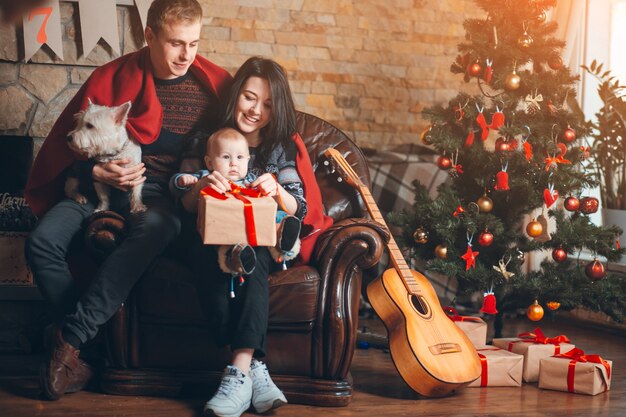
<point x="62" y="371"/>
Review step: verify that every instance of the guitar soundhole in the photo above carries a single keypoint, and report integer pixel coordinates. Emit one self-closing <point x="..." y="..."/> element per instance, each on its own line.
<point x="420" y="305"/>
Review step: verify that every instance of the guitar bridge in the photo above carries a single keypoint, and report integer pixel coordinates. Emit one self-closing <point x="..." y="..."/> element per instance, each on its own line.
<point x="443" y="348"/>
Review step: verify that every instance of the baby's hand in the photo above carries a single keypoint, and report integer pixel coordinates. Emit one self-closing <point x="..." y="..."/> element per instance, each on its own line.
<point x="186" y="180"/>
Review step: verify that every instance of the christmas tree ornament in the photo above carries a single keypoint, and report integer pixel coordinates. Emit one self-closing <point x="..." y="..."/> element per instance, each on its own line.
<point x="588" y="205"/>
<point x="458" y="211"/>
<point x="584" y="152"/>
<point x="470" y="256"/>
<point x="569" y="135"/>
<point x="534" y="228"/>
<point x="474" y="69"/>
<point x="489" y="303"/>
<point x="550" y="195"/>
<point x="488" y="71"/>
<point x="426" y="137"/>
<point x="501" y="268"/>
<point x="541" y="16"/>
<point x="512" y="81"/>
<point x="502" y="145"/>
<point x="532" y="103"/>
<point x="555" y="62"/>
<point x="482" y="122"/>
<point x="534" y="311"/>
<point x="485" y="204"/>
<point x="459" y="112"/>
<point x="571" y="203"/>
<point x="497" y="120"/>
<point x="441" y="251"/>
<point x="559" y="254"/>
<point x="469" y="140"/>
<point x="595" y="270"/>
<point x="443" y="162"/>
<point x="457" y="169"/>
<point x="519" y="256"/>
<point x="502" y="179"/>
<point x="485" y="238"/>
<point x="420" y="235"/>
<point x="544" y="236"/>
<point x="525" y="41"/>
<point x="553" y="305"/>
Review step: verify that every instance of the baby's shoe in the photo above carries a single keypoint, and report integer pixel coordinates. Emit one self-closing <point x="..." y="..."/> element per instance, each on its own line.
<point x="288" y="245"/>
<point x="265" y="394"/>
<point x="237" y="260"/>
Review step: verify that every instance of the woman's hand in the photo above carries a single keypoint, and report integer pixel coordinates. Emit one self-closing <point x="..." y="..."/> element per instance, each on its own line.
<point x="267" y="184"/>
<point x="216" y="181"/>
<point x="118" y="175"/>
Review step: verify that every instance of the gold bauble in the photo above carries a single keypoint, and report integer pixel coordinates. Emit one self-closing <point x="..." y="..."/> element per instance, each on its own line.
<point x="512" y="81"/>
<point x="535" y="311"/>
<point x="441" y="251"/>
<point x="425" y="136"/>
<point x="541" y="16"/>
<point x="420" y="236"/>
<point x="534" y="228"/>
<point x="525" y="41"/>
<point x="485" y="204"/>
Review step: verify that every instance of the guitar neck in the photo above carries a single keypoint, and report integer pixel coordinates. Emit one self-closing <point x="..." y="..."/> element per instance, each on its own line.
<point x="397" y="259"/>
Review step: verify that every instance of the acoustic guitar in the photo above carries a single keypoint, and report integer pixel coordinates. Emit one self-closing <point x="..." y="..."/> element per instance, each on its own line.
<point x="431" y="354"/>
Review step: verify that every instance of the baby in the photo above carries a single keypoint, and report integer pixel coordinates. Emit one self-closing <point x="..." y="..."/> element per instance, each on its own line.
<point x="227" y="153"/>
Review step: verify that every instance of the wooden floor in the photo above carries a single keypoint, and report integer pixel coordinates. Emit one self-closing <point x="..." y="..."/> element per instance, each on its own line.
<point x="379" y="391"/>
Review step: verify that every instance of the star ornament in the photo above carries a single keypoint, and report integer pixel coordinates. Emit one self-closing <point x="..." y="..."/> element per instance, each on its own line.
<point x="469" y="257"/>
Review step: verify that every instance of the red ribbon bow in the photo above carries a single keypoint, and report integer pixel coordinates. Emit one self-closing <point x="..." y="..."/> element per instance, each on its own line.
<point x="537" y="336"/>
<point x="240" y="193"/>
<point x="453" y="315"/>
<point x="578" y="355"/>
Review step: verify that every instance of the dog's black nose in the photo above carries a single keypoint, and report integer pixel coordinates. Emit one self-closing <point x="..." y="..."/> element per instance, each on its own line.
<point x="69" y="138"/>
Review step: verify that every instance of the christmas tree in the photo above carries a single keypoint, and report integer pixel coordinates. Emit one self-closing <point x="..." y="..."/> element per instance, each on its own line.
<point x="518" y="171"/>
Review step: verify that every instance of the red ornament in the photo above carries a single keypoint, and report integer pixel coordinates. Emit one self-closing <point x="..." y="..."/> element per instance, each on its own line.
<point x="569" y="135"/>
<point x="571" y="203"/>
<point x="444" y="162"/>
<point x="559" y="255"/>
<point x="502" y="181"/>
<point x="555" y="62"/>
<point x="485" y="238"/>
<point x="550" y="196"/>
<point x="595" y="270"/>
<point x="469" y="257"/>
<point x="474" y="69"/>
<point x="489" y="303"/>
<point x="588" y="205"/>
<point x="502" y="145"/>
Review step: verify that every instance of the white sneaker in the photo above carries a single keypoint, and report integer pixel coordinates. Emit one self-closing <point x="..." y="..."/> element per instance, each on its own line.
<point x="265" y="394"/>
<point x="233" y="396"/>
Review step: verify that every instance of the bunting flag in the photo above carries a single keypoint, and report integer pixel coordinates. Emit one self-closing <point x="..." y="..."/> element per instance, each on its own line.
<point x="142" y="8"/>
<point x="98" y="19"/>
<point x="42" y="25"/>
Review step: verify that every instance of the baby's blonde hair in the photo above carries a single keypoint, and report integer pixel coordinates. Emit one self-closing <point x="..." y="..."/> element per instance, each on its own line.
<point x="225" y="133"/>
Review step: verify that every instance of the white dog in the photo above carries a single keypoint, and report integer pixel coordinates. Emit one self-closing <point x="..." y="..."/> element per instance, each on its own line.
<point x="100" y="134"/>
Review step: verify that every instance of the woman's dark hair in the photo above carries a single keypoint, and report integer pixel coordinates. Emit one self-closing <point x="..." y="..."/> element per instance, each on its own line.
<point x="282" y="124"/>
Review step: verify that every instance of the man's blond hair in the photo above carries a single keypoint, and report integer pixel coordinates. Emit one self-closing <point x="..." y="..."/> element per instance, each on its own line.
<point x="161" y="12"/>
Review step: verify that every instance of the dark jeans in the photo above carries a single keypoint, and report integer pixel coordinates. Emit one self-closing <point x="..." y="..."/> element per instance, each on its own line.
<point x="240" y="322"/>
<point x="149" y="233"/>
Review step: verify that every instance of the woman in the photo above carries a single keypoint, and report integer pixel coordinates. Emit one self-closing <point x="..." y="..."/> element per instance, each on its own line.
<point x="261" y="107"/>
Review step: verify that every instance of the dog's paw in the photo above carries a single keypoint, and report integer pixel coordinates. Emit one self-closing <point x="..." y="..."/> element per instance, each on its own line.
<point x="80" y="199"/>
<point x="138" y="208"/>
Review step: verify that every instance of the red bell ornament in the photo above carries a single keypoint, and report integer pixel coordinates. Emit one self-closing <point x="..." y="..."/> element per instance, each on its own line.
<point x="444" y="162"/>
<point x="571" y="204"/>
<point x="588" y="205"/>
<point x="595" y="270"/>
<point x="502" y="181"/>
<point x="559" y="255"/>
<point x="489" y="303"/>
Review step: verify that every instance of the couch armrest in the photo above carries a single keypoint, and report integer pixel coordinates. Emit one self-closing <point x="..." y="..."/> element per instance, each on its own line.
<point x="342" y="253"/>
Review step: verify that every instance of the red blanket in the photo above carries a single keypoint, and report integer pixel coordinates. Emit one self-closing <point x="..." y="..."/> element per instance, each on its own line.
<point x="126" y="78"/>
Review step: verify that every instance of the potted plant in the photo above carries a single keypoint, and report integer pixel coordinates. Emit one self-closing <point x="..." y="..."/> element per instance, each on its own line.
<point x="608" y="148"/>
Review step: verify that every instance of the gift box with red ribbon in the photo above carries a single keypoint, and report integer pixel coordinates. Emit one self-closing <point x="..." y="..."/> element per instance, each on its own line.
<point x="474" y="328"/>
<point x="242" y="215"/>
<point x="500" y="368"/>
<point x="573" y="371"/>
<point x="534" y="346"/>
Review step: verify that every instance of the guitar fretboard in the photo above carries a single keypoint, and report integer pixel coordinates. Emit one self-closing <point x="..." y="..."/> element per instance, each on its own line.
<point x="395" y="253"/>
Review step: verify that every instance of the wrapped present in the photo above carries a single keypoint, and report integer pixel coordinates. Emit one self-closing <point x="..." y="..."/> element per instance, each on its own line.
<point x="534" y="346"/>
<point x="500" y="368"/>
<point x="574" y="371"/>
<point x="474" y="328"/>
<point x="240" y="216"/>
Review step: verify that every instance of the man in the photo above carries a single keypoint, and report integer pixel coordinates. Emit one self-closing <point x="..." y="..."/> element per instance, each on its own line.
<point x="173" y="92"/>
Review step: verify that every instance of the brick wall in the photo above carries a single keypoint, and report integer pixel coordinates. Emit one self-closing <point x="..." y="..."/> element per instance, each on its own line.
<point x="367" y="66"/>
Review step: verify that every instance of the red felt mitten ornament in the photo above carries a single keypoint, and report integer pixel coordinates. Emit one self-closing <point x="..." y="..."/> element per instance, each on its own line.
<point x="488" y="71"/>
<point x="469" y="140"/>
<point x="497" y="120"/>
<point x="489" y="303"/>
<point x="482" y="122"/>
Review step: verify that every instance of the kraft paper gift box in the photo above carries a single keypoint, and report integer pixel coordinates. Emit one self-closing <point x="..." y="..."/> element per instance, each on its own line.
<point x="534" y="346"/>
<point x="576" y="372"/>
<point x="500" y="368"/>
<point x="236" y="218"/>
<point x="474" y="328"/>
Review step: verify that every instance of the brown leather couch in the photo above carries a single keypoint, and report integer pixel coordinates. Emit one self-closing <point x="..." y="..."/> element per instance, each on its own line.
<point x="160" y="339"/>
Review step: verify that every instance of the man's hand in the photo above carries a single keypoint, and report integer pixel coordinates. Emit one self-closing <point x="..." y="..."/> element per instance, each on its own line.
<point x="186" y="180"/>
<point x="117" y="175"/>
